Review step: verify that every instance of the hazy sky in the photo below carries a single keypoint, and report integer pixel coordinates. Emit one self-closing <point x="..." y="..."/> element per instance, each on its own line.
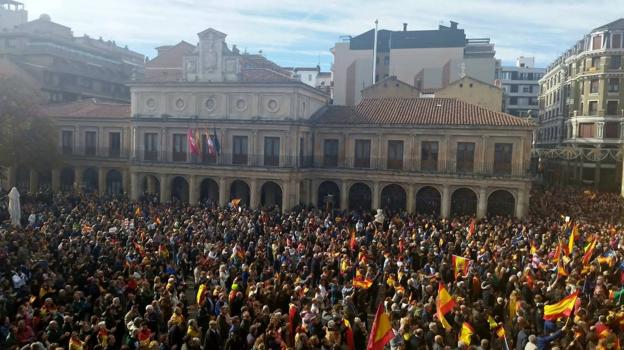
<point x="300" y="33"/>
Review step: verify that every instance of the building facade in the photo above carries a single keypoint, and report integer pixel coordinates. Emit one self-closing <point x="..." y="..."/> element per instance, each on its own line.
<point x="520" y="85"/>
<point x="64" y="67"/>
<point x="581" y="117"/>
<point x="282" y="144"/>
<point x="427" y="59"/>
<point x="313" y="76"/>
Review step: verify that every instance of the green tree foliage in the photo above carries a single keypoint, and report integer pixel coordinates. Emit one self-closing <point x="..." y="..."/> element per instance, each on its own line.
<point x="27" y="138"/>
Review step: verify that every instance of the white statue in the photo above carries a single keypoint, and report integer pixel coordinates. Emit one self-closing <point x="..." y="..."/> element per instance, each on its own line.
<point x="380" y="217"/>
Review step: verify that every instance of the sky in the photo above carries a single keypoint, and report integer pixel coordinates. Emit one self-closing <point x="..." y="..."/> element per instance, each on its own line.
<point x="301" y="33"/>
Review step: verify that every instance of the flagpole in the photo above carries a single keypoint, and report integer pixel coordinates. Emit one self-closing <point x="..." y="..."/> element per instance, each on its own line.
<point x="506" y="344"/>
<point x="375" y="53"/>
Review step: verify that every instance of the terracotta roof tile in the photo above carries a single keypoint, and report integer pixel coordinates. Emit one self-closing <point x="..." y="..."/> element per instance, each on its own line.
<point x="418" y="111"/>
<point x="173" y="57"/>
<point x="88" y="108"/>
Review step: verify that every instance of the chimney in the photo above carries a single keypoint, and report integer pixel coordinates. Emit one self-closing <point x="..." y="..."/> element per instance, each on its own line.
<point x="405" y="27"/>
<point x="453" y="25"/>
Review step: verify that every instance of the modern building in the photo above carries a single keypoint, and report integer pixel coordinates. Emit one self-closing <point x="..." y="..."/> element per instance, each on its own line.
<point x="427" y="59"/>
<point x="313" y="76"/>
<point x="64" y="67"/>
<point x="581" y="116"/>
<point x="281" y="143"/>
<point x="464" y="89"/>
<point x="520" y="85"/>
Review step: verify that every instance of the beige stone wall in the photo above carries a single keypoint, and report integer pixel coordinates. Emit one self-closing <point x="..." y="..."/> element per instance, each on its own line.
<point x="406" y="63"/>
<point x="474" y="92"/>
<point x="390" y="88"/>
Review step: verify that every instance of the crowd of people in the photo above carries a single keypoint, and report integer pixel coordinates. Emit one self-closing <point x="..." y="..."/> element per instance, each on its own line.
<point x="85" y="272"/>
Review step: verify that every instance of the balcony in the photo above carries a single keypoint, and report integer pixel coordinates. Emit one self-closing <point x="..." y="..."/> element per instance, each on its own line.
<point x="95" y="153"/>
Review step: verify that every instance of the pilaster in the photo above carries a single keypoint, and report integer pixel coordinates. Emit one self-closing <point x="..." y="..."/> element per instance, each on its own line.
<point x="344" y="195"/>
<point x="134" y="186"/>
<point x="56" y="179"/>
<point x="223" y="192"/>
<point x="482" y="203"/>
<point x="445" y="209"/>
<point x="34" y="181"/>
<point x="376" y="199"/>
<point x="101" y="181"/>
<point x="254" y="195"/>
<point x="165" y="188"/>
<point x="411" y="200"/>
<point x="193" y="190"/>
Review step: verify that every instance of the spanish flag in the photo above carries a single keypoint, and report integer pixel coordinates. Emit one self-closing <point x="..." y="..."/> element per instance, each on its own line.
<point x="235" y="202"/>
<point x="381" y="332"/>
<point x="500" y="332"/>
<point x="589" y="251"/>
<point x="137" y="211"/>
<point x="201" y="294"/>
<point x="466" y="333"/>
<point x="75" y="343"/>
<point x="561" y="271"/>
<point x="561" y="309"/>
<point x="472" y="227"/>
<point x="444" y="304"/>
<point x="533" y="248"/>
<point x="571" y="239"/>
<point x="349" y="335"/>
<point x="352" y="241"/>
<point x="362" y="283"/>
<point x="460" y="266"/>
<point x="491" y="322"/>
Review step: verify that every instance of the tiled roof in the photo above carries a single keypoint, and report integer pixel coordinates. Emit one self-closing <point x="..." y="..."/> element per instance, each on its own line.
<point x="418" y="111"/>
<point x="264" y="75"/>
<point x="88" y="108"/>
<point x="615" y="25"/>
<point x="172" y="57"/>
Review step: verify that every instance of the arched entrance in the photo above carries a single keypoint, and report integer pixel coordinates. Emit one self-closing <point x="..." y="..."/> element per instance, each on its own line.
<point x="67" y="179"/>
<point x="393" y="198"/>
<point x="22" y="182"/>
<point x="501" y="202"/>
<point x="428" y="201"/>
<point x="179" y="189"/>
<point x="464" y="202"/>
<point x="240" y="190"/>
<point x="90" y="180"/>
<point x="45" y="179"/>
<point x="360" y="197"/>
<point x="270" y="195"/>
<point x="150" y="185"/>
<point x="114" y="182"/>
<point x="328" y="191"/>
<point x="209" y="191"/>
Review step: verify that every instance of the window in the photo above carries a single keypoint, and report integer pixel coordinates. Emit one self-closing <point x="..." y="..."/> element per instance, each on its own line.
<point x="114" y="144"/>
<point x="465" y="157"/>
<point x="595" y="62"/>
<point x="206" y="156"/>
<point x="597" y="42"/>
<point x="429" y="156"/>
<point x="612" y="107"/>
<point x="593" y="108"/>
<point x="526" y="88"/>
<point x="612" y="130"/>
<point x="513" y="100"/>
<point x="586" y="130"/>
<point x="502" y="158"/>
<point x="151" y="146"/>
<point x="362" y="154"/>
<point x="615" y="62"/>
<point x="330" y="152"/>
<point x="90" y="143"/>
<point x="271" y="151"/>
<point x="239" y="150"/>
<point x="594" y="85"/>
<point x="614" y="85"/>
<point x="514" y="88"/>
<point x="395" y="154"/>
<point x="179" y="147"/>
<point x="67" y="141"/>
<point x="616" y="41"/>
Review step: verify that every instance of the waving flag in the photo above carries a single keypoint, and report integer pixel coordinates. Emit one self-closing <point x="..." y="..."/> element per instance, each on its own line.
<point x="561" y="309"/>
<point x="589" y="252"/>
<point x="466" y="333"/>
<point x="192" y="142"/>
<point x="472" y="227"/>
<point x="382" y="331"/>
<point x="571" y="239"/>
<point x="349" y="335"/>
<point x="460" y="266"/>
<point x="444" y="304"/>
<point x="201" y="294"/>
<point x="210" y="143"/>
<point x="217" y="145"/>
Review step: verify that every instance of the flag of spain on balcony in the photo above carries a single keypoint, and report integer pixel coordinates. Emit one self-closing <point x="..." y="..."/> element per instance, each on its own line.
<point x="460" y="266"/>
<point x="382" y="331"/>
<point x="561" y="309"/>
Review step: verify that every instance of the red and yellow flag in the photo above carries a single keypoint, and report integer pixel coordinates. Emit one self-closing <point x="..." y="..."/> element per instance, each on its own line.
<point x="465" y="335"/>
<point x="460" y="266"/>
<point x="363" y="283"/>
<point x="571" y="239"/>
<point x="472" y="228"/>
<point x="235" y="202"/>
<point x="381" y="332"/>
<point x="444" y="304"/>
<point x="349" y="335"/>
<point x="352" y="241"/>
<point x="201" y="294"/>
<point x="561" y="309"/>
<point x="500" y="332"/>
<point x="589" y="251"/>
<point x="533" y="248"/>
<point x="137" y="211"/>
<point x="75" y="343"/>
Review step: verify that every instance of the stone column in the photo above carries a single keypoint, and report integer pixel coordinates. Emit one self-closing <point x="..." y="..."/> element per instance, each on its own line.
<point x="223" y="192"/>
<point x="411" y="200"/>
<point x="295" y="192"/>
<point x="344" y="195"/>
<point x="11" y="177"/>
<point x="375" y="199"/>
<point x="78" y="177"/>
<point x="254" y="195"/>
<point x="101" y="181"/>
<point x="34" y="181"/>
<point x="485" y="167"/>
<point x="165" y="188"/>
<point x="522" y="204"/>
<point x="193" y="190"/>
<point x="286" y="200"/>
<point x="134" y="186"/>
<point x="445" y="209"/>
<point x="56" y="179"/>
<point x="150" y="184"/>
<point x="482" y="203"/>
<point x="125" y="181"/>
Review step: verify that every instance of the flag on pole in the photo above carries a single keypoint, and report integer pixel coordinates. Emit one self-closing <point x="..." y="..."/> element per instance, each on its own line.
<point x="472" y="227"/>
<point x="460" y="266"/>
<point x="465" y="335"/>
<point x="235" y="202"/>
<point x="352" y="241"/>
<point x="192" y="142"/>
<point x="381" y="332"/>
<point x="573" y="235"/>
<point x="349" y="335"/>
<point x="561" y="309"/>
<point x="210" y="144"/>
<point x="201" y="294"/>
<point x="500" y="332"/>
<point x="589" y="252"/>
<point x="444" y="304"/>
<point x="217" y="145"/>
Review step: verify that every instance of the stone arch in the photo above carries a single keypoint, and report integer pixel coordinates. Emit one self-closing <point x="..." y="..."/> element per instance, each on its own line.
<point x="328" y="189"/>
<point x="209" y="191"/>
<point x="428" y="200"/>
<point x="45" y="179"/>
<point x="360" y="197"/>
<point x="239" y="189"/>
<point x="501" y="202"/>
<point x="114" y="182"/>
<point x="67" y="178"/>
<point x="464" y="202"/>
<point x="22" y="180"/>
<point x="150" y="184"/>
<point x="90" y="180"/>
<point x="393" y="198"/>
<point x="179" y="189"/>
<point x="270" y="195"/>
